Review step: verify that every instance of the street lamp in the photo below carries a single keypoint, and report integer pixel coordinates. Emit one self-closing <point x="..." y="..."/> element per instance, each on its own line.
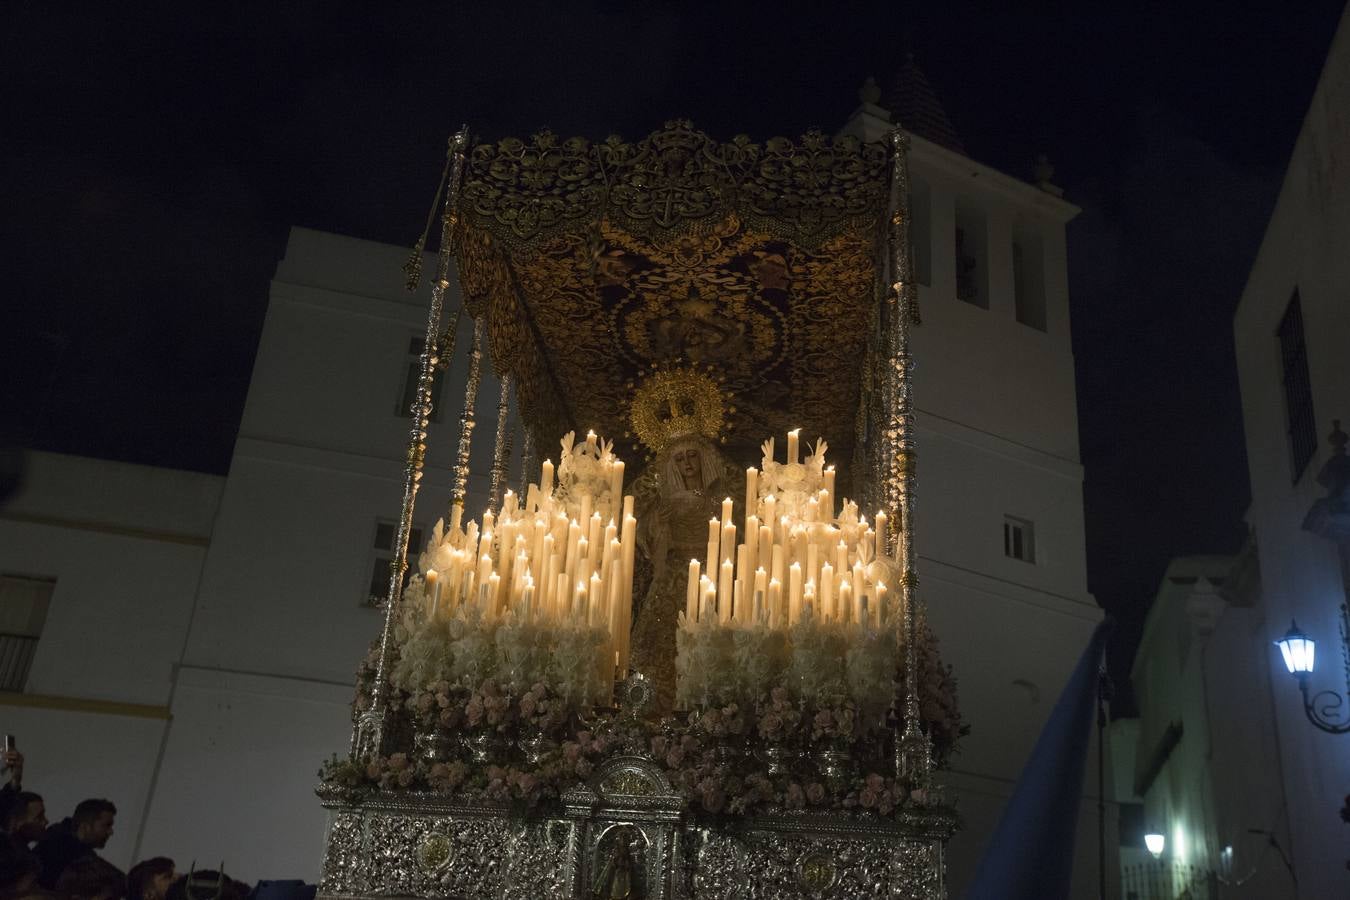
<point x="1155" y="843"/>
<point x="1299" y="651"/>
<point x="1325" y="709"/>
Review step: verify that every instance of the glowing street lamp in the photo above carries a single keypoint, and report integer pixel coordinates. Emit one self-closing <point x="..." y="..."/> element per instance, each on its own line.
<point x="1155" y="843"/>
<point x="1325" y="709"/>
<point x="1299" y="651"/>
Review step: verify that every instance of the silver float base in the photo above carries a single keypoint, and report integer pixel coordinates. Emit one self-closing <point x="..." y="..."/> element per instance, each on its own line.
<point x="627" y="827"/>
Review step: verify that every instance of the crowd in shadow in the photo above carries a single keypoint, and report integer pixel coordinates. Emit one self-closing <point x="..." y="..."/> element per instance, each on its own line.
<point x="60" y="861"/>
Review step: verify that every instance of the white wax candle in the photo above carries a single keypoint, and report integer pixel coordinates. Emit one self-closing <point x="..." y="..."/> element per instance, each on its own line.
<point x="728" y="544"/>
<point x="809" y="599"/>
<point x="751" y="495"/>
<point x="764" y="555"/>
<point x="433" y="593"/>
<point x="845" y="603"/>
<point x="812" y="561"/>
<point x="712" y="558"/>
<point x="546" y="479"/>
<point x="761" y="581"/>
<point x="527" y="600"/>
<point x="593" y="536"/>
<point x="584" y="517"/>
<point x="691" y="593"/>
<point x="494" y="585"/>
<point x="770" y="512"/>
<point x="881" y="603"/>
<point x="857" y="583"/>
<point x="593" y="605"/>
<point x="827" y="592"/>
<point x="829" y="491"/>
<point x="724" y="582"/>
<point x="578" y="610"/>
<point x="738" y="602"/>
<point x="881" y="536"/>
<point x="488" y="521"/>
<point x="751" y="546"/>
<point x="742" y="576"/>
<point x="628" y="540"/>
<point x="776" y="564"/>
<point x="727" y="508"/>
<point x="590" y="439"/>
<point x="794" y="593"/>
<point x="775" y="603"/>
<point x="792" y="445"/>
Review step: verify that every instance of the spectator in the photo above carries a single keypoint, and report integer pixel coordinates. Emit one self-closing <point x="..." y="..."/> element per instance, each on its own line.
<point x="150" y="879"/>
<point x="25" y="818"/>
<point x="92" y="878"/>
<point x="19" y="872"/>
<point x="205" y="884"/>
<point x="74" y="838"/>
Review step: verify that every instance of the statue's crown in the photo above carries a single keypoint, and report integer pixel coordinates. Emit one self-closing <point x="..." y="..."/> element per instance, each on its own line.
<point x="672" y="401"/>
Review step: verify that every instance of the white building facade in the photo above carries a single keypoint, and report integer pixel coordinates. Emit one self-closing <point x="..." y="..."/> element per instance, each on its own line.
<point x="1291" y="329"/>
<point x="259" y="679"/>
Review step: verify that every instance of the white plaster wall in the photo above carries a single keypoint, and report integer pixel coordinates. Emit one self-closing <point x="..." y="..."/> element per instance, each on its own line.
<point x="1304" y="247"/>
<point x="240" y="768"/>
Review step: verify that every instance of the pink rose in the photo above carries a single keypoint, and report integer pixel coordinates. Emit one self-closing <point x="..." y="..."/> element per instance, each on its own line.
<point x="794" y="799"/>
<point x="815" y="793"/>
<point x="868" y="798"/>
<point x="876" y="782"/>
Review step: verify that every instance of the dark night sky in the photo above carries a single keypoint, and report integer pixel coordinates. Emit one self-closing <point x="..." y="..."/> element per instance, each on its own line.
<point x="153" y="161"/>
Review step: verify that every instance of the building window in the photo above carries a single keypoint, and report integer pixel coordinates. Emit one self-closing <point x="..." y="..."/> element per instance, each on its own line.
<point x="1019" y="539"/>
<point x="410" y="378"/>
<point x="1298" y="403"/>
<point x="1029" y="281"/>
<point x="377" y="592"/>
<point x="23" y="612"/>
<point x="972" y="258"/>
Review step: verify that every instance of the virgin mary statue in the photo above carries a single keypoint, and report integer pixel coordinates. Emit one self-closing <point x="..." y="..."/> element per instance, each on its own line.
<point x="678" y="414"/>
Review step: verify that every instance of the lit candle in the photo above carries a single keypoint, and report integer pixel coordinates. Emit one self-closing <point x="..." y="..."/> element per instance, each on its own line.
<point x="770" y="517"/>
<point x="761" y="581"/>
<point x="792" y="446"/>
<point x="864" y="617"/>
<point x="764" y="555"/>
<point x="881" y="535"/>
<point x="628" y="541"/>
<point x="494" y="586"/>
<point x="593" y="609"/>
<point x="579" y="600"/>
<point x="742" y="576"/>
<point x="794" y="593"/>
<point x="527" y="599"/>
<point x="881" y="603"/>
<point x="845" y="600"/>
<point x="728" y="545"/>
<point x="593" y="538"/>
<point x="827" y="592"/>
<point x="860" y="604"/>
<point x="751" y="494"/>
<point x="829" y="491"/>
<point x="775" y="603"/>
<point x="724" y="582"/>
<point x="727" y="507"/>
<point x="809" y="598"/>
<point x="590" y="439"/>
<point x="433" y="593"/>
<point x="857" y="584"/>
<point x="812" y="561"/>
<point x="691" y="596"/>
<point x="776" y="563"/>
<point x="714" y="543"/>
<point x="751" y="546"/>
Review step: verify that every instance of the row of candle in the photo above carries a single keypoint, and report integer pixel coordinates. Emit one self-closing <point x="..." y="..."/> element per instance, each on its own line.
<point x="542" y="563"/>
<point x="805" y="561"/>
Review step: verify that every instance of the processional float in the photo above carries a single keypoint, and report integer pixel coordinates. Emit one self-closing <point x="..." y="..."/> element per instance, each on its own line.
<point x="709" y="676"/>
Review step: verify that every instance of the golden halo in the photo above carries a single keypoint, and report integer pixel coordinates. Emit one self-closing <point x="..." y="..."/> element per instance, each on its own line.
<point x="677" y="401"/>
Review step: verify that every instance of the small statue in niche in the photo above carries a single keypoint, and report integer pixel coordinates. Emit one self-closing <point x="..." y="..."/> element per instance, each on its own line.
<point x="620" y="878"/>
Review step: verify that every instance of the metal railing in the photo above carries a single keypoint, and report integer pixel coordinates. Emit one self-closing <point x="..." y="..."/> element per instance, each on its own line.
<point x="1164" y="880"/>
<point x="16" y="658"/>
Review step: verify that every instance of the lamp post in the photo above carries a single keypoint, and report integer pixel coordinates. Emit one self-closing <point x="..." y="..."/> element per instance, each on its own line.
<point x="1329" y="517"/>
<point x="1155" y="843"/>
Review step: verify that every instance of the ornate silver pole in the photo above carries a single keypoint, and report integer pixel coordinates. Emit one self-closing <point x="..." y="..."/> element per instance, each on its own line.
<point x="368" y="735"/>
<point x="501" y="454"/>
<point x="466" y="422"/>
<point x="528" y="462"/>
<point x="913" y="757"/>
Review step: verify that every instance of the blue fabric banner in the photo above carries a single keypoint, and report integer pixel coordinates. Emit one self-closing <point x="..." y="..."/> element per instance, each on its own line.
<point x="1030" y="855"/>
